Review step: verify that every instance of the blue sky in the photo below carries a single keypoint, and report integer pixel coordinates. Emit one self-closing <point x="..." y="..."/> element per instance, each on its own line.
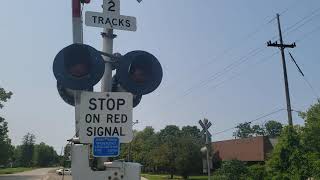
<point x="219" y="43"/>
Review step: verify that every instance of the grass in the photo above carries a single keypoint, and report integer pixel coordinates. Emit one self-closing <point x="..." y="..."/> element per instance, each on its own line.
<point x="167" y="176"/>
<point x="14" y="170"/>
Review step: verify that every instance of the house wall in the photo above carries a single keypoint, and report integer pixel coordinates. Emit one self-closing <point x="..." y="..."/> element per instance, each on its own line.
<point x="248" y="149"/>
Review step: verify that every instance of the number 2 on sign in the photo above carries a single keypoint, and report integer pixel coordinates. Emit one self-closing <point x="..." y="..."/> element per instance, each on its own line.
<point x="112" y="5"/>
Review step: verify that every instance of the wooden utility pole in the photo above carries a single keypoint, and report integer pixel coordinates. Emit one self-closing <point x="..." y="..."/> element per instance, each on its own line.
<point x="282" y="46"/>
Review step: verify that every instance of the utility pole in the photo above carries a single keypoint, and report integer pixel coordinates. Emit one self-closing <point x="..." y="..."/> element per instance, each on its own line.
<point x="282" y="46"/>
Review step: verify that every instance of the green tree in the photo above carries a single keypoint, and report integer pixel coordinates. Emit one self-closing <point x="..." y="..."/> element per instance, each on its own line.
<point x="188" y="159"/>
<point x="243" y="130"/>
<point x="17" y="156"/>
<point x="257" y="172"/>
<point x="6" y="149"/>
<point x="45" y="155"/>
<point x="169" y="136"/>
<point x="142" y="147"/>
<point x="27" y="150"/>
<point x="233" y="170"/>
<point x="273" y="129"/>
<point x="288" y="160"/>
<point x="311" y="138"/>
<point x="258" y="130"/>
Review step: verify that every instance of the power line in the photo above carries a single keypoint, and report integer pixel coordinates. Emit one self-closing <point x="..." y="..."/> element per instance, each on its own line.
<point x="223" y="82"/>
<point x="237" y="75"/>
<point x="256" y="119"/>
<point x="309" y="20"/>
<point x="238" y="63"/>
<point x="246" y="38"/>
<point x="288" y="30"/>
<point x="225" y="70"/>
<point x="306" y="35"/>
<point x="304" y="78"/>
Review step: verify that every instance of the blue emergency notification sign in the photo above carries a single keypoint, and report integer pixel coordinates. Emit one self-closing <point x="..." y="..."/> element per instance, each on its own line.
<point x="106" y="147"/>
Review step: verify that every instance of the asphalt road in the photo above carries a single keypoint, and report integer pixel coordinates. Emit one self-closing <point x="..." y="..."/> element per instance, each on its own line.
<point x="37" y="174"/>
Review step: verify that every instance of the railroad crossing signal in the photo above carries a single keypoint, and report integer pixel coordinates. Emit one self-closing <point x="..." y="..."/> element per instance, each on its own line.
<point x="80" y="67"/>
<point x="205" y="126"/>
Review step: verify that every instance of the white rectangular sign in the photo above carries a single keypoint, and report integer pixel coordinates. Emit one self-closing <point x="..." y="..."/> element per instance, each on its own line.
<point x="105" y="114"/>
<point x="110" y="21"/>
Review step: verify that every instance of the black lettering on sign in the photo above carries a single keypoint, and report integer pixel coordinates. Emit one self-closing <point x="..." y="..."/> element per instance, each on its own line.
<point x="100" y="20"/>
<point x="88" y="118"/>
<point x="112" y="5"/>
<point x="109" y="118"/>
<point x="95" y="118"/>
<point x="94" y="18"/>
<point x="111" y="104"/>
<point x="100" y="131"/>
<point x="128" y="23"/>
<point x="107" y="131"/>
<point x="114" y="21"/>
<point x="108" y="22"/>
<point x="120" y="102"/>
<point x="89" y="131"/>
<point x="101" y="102"/>
<point x="124" y="118"/>
<point x="92" y="102"/>
<point x="117" y="118"/>
<point x="115" y="131"/>
<point x="121" y="22"/>
<point x="121" y="134"/>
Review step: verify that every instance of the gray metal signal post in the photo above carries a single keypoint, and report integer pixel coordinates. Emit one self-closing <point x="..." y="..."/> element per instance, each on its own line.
<point x="205" y="124"/>
<point x="103" y="120"/>
<point x="80" y="152"/>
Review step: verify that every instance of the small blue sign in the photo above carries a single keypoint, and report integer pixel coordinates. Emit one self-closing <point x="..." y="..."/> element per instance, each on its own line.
<point x="106" y="147"/>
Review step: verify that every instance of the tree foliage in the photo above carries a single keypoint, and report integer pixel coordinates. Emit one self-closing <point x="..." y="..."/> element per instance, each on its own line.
<point x="4" y="96"/>
<point x="288" y="159"/>
<point x="6" y="149"/>
<point x="243" y="130"/>
<point x="311" y="138"/>
<point x="27" y="150"/>
<point x="44" y="155"/>
<point x="272" y="129"/>
<point x="233" y="170"/>
<point x="172" y="150"/>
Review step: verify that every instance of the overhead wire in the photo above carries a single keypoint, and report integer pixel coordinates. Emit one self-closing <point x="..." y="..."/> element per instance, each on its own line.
<point x="254" y="120"/>
<point x="225" y="70"/>
<point x="229" y="50"/>
<point x="304" y="78"/>
<point x="212" y="77"/>
<point x="240" y="73"/>
<point x="310" y="16"/>
<point x="233" y="64"/>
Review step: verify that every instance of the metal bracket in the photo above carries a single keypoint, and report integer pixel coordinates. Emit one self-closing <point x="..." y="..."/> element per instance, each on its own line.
<point x="114" y="59"/>
<point x="108" y="35"/>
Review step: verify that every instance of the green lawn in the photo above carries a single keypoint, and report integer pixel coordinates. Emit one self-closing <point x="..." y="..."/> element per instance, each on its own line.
<point x="166" y="176"/>
<point x="14" y="170"/>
